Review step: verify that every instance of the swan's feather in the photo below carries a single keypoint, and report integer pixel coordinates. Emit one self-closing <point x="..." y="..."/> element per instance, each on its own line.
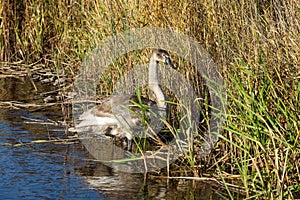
<point x="122" y="114"/>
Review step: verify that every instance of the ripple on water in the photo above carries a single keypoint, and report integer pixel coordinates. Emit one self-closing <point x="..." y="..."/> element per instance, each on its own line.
<point x="62" y="171"/>
<point x="40" y="171"/>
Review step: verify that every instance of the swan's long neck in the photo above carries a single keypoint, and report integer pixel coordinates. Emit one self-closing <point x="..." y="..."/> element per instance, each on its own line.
<point x="154" y="85"/>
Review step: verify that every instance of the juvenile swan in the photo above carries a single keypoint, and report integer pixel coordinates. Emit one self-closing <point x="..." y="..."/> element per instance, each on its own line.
<point x="112" y="116"/>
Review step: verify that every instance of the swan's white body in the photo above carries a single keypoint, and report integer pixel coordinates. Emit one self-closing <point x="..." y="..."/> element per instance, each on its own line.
<point x="112" y="117"/>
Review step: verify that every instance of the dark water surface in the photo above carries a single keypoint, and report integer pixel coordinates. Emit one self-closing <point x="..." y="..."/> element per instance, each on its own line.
<point x="66" y="171"/>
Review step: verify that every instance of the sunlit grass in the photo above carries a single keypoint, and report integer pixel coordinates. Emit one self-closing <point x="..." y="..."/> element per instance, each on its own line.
<point x="262" y="132"/>
<point x="255" y="44"/>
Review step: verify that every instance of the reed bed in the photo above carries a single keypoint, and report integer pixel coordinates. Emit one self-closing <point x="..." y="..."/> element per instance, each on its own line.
<point x="256" y="45"/>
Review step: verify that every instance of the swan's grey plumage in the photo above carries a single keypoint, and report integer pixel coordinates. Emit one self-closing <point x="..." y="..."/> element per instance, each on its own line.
<point x="112" y="117"/>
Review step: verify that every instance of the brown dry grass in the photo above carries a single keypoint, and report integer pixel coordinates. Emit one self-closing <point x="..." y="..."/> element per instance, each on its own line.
<point x="256" y="45"/>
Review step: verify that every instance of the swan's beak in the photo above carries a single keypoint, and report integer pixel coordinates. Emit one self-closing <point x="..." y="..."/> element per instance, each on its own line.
<point x="169" y="62"/>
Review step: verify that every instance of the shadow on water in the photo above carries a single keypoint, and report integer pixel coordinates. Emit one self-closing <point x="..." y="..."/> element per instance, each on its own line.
<point x="66" y="170"/>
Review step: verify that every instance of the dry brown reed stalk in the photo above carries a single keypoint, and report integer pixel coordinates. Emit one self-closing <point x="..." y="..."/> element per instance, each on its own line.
<point x="255" y="43"/>
<point x="227" y="29"/>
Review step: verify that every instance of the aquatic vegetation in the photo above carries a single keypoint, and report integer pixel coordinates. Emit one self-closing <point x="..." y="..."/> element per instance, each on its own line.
<point x="256" y="47"/>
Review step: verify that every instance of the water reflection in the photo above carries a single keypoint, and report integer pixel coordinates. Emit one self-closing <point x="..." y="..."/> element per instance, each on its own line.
<point x="118" y="185"/>
<point x="68" y="171"/>
<point x="37" y="171"/>
<point x="111" y="183"/>
<point x="17" y="89"/>
<point x="103" y="148"/>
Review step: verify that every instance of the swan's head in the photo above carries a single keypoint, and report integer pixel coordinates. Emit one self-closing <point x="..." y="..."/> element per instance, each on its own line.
<point x="161" y="55"/>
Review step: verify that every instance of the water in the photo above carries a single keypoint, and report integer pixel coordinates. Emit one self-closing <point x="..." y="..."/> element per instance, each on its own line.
<point x="44" y="171"/>
<point x="66" y="170"/>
